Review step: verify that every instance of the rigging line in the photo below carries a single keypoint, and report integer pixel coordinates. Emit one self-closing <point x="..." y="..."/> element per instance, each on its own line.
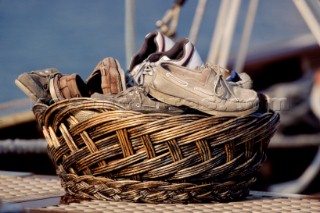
<point x="197" y="19"/>
<point x="218" y="32"/>
<point x="16" y="103"/>
<point x="168" y="24"/>
<point x="245" y="39"/>
<point x="129" y="30"/>
<point x="309" y="18"/>
<point x="16" y="118"/>
<point x="315" y="5"/>
<point x="23" y="146"/>
<point x="228" y="33"/>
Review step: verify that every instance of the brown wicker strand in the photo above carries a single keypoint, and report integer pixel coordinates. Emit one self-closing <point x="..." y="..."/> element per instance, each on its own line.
<point x="145" y="139"/>
<point x="174" y="150"/>
<point x="203" y="149"/>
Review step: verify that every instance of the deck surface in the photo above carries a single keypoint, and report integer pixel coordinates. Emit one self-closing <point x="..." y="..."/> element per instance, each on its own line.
<point x="44" y="194"/>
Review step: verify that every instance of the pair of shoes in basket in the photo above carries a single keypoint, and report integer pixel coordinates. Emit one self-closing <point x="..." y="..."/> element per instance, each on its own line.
<point x="186" y="82"/>
<point x="182" y="52"/>
<point x="178" y="77"/>
<point x="49" y="85"/>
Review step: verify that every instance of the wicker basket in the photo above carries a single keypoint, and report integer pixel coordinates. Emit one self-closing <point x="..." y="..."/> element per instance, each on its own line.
<point x="102" y="151"/>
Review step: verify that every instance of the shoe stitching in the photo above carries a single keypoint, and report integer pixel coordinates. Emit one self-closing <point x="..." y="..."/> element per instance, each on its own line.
<point x="176" y="79"/>
<point x="131" y="91"/>
<point x="137" y="100"/>
<point x="146" y="68"/>
<point x="205" y="91"/>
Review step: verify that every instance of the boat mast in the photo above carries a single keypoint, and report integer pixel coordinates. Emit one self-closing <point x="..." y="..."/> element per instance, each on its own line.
<point x="129" y="30"/>
<point x="197" y="19"/>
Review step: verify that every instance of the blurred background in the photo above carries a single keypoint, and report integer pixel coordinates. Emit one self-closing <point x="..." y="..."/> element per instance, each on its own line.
<point x="73" y="36"/>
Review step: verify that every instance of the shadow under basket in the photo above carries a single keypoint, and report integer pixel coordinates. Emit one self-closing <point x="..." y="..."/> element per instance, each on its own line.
<point x="102" y="151"/>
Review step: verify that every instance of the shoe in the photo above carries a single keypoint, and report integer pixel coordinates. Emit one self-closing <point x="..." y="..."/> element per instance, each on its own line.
<point x="107" y="78"/>
<point x="67" y="87"/>
<point x="35" y="84"/>
<point x="50" y="85"/>
<point x="183" y="53"/>
<point x="203" y="89"/>
<point x="136" y="98"/>
<point x="153" y="42"/>
<point x="232" y="77"/>
<point x="264" y="101"/>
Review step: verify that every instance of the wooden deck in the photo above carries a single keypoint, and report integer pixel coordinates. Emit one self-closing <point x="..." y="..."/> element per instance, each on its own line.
<point x="37" y="194"/>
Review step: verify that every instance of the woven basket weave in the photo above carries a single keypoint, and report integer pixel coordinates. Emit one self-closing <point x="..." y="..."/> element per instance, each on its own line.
<point x="102" y="151"/>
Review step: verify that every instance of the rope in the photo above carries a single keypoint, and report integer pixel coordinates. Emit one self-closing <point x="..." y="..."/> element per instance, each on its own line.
<point x="170" y="20"/>
<point x="16" y="118"/>
<point x="223" y="33"/>
<point x="16" y="103"/>
<point x="244" y="44"/>
<point x="295" y="141"/>
<point x="18" y="146"/>
<point x="228" y="32"/>
<point x="309" y="18"/>
<point x="197" y="21"/>
<point x="218" y="32"/>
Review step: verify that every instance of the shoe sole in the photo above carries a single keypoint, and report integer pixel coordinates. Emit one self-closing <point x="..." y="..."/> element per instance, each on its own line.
<point x="122" y="75"/>
<point x="168" y="99"/>
<point x="110" y="63"/>
<point x="120" y="72"/>
<point x="24" y="88"/>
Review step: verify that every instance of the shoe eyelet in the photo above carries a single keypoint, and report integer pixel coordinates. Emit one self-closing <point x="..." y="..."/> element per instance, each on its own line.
<point x="45" y="86"/>
<point x="138" y="105"/>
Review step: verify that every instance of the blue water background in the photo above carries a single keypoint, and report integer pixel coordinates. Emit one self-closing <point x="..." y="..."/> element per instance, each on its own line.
<point x="74" y="35"/>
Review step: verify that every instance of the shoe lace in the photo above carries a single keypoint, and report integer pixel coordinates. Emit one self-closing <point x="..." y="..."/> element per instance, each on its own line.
<point x="135" y="89"/>
<point x="220" y="78"/>
<point x="145" y="68"/>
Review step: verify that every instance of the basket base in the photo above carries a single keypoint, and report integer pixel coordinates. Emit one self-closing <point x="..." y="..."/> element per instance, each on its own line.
<point x="100" y="188"/>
